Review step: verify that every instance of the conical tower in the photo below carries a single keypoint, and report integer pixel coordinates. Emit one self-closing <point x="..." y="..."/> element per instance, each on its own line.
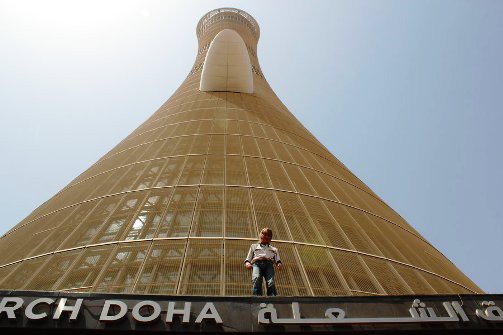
<point x="173" y="208"/>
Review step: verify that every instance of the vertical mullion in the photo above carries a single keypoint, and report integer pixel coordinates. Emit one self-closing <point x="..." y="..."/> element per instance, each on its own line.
<point x="182" y="263"/>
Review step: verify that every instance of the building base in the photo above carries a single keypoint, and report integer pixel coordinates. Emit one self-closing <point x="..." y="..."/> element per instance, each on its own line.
<point x="34" y="312"/>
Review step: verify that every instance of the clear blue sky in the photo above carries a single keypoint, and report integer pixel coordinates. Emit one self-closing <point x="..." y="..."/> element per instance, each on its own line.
<point x="408" y="94"/>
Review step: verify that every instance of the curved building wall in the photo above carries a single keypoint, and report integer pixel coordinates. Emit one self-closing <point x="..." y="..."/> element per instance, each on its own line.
<point x="173" y="208"/>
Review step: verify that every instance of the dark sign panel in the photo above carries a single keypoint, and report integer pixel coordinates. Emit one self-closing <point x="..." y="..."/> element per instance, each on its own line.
<point x="33" y="312"/>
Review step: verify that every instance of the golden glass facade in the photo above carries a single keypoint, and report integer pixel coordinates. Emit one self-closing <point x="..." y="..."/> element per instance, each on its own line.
<point x="173" y="208"/>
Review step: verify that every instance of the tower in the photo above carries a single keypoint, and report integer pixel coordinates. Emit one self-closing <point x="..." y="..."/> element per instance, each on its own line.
<point x="173" y="208"/>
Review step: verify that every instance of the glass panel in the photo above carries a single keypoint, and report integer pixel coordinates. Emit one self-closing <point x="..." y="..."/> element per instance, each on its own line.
<point x="214" y="170"/>
<point x="301" y="227"/>
<point x="327" y="227"/>
<point x="265" y="148"/>
<point x="281" y="151"/>
<point x="238" y="214"/>
<point x="183" y="146"/>
<point x="233" y="145"/>
<point x="237" y="278"/>
<point x="302" y="185"/>
<point x="321" y="271"/>
<point x="170" y="172"/>
<point x="278" y="176"/>
<point x="148" y="218"/>
<point x="250" y="146"/>
<point x="160" y="273"/>
<point x="235" y="171"/>
<point x="203" y="266"/>
<point x="17" y="279"/>
<point x="217" y="146"/>
<point x="290" y="281"/>
<point x="257" y="173"/>
<point x="200" y="145"/>
<point x="149" y="175"/>
<point x="87" y="267"/>
<point x="208" y="218"/>
<point x="191" y="174"/>
<point x="105" y="188"/>
<point x="87" y="229"/>
<point x="386" y="275"/>
<point x="317" y="183"/>
<point x="354" y="272"/>
<point x="113" y="228"/>
<point x="414" y="279"/>
<point x="52" y="270"/>
<point x="119" y="276"/>
<point x="178" y="215"/>
<point x="267" y="213"/>
<point x="350" y="227"/>
<point x="129" y="178"/>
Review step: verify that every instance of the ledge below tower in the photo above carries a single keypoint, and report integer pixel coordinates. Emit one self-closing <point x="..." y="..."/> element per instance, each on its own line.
<point x="34" y="312"/>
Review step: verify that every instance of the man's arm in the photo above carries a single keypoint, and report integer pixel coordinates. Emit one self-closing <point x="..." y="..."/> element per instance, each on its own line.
<point x="249" y="257"/>
<point x="277" y="259"/>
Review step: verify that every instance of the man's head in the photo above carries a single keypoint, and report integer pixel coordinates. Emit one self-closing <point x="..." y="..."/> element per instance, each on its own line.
<point x="265" y="235"/>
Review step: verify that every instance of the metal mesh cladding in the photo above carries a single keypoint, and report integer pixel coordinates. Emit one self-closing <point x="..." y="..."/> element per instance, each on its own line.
<point x="173" y="208"/>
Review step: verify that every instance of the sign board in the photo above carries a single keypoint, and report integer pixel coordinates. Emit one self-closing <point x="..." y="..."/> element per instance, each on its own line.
<point x="36" y="311"/>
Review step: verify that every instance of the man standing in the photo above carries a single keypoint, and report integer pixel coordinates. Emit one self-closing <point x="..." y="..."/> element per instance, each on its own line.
<point x="261" y="258"/>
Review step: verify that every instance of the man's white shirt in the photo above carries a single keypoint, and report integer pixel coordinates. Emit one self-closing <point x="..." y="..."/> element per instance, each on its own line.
<point x="262" y="251"/>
